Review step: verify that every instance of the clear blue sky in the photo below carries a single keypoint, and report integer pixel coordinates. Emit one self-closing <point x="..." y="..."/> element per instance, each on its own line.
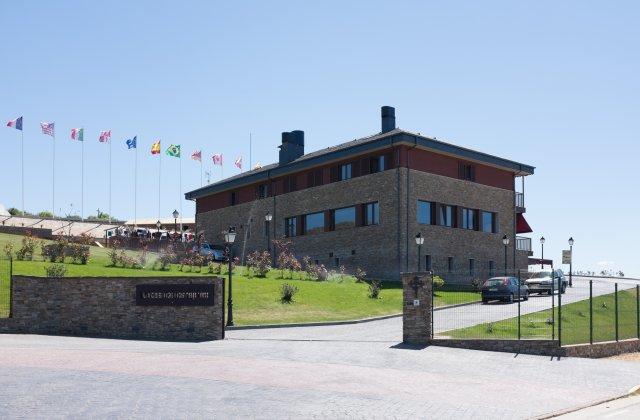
<point x="552" y="84"/>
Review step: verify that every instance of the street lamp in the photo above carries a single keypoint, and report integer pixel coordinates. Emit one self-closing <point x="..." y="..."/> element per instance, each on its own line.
<point x="175" y="222"/>
<point x="158" y="225"/>
<point x="419" y="242"/>
<point x="505" y="242"/>
<point x="571" y="262"/>
<point x="229" y="238"/>
<point x="542" y="243"/>
<point x="268" y="217"/>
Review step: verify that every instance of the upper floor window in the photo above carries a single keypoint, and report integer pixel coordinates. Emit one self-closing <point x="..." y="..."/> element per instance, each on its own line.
<point x="344" y="218"/>
<point x="446" y="215"/>
<point x="289" y="184"/>
<point x="467" y="171"/>
<point x="371" y="214"/>
<point x="314" y="178"/>
<point x="468" y="219"/>
<point x="314" y="223"/>
<point x="234" y="198"/>
<point x="263" y="191"/>
<point x="425" y="212"/>
<point x="489" y="222"/>
<point x="290" y="226"/>
<point x="345" y="171"/>
<point x="377" y="164"/>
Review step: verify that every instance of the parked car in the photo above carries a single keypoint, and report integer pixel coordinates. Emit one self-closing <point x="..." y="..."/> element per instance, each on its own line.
<point x="542" y="282"/>
<point x="216" y="252"/>
<point x="505" y="289"/>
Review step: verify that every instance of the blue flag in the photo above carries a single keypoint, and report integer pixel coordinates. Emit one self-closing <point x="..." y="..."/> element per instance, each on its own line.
<point x="131" y="143"/>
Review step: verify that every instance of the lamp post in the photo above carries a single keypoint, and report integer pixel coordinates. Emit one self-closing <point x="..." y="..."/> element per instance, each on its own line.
<point x="175" y="223"/>
<point x="229" y="238"/>
<point x="268" y="217"/>
<point x="571" y="262"/>
<point x="158" y="225"/>
<point x="419" y="242"/>
<point x="542" y="243"/>
<point x="505" y="242"/>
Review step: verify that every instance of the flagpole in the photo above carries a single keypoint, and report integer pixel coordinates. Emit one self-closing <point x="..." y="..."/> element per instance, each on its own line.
<point x="82" y="179"/>
<point x="53" y="177"/>
<point x="135" y="187"/>
<point x="180" y="196"/>
<point x="159" y="179"/>
<point x="109" y="178"/>
<point x="201" y="184"/>
<point x="250" y="149"/>
<point x="22" y="167"/>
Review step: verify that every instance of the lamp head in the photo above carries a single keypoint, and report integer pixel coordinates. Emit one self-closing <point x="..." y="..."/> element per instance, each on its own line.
<point x="175" y="214"/>
<point x="571" y="241"/>
<point x="505" y="240"/>
<point x="268" y="217"/>
<point x="542" y="240"/>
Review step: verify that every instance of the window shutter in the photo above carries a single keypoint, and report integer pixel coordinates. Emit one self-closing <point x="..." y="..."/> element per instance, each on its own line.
<point x="334" y="175"/>
<point x="388" y="161"/>
<point x="472" y="172"/>
<point x="460" y="170"/>
<point x="454" y="217"/>
<point x="328" y="221"/>
<point x="310" y="180"/>
<point x="300" y="225"/>
<point x="365" y="166"/>
<point x="293" y="179"/>
<point x="360" y="208"/>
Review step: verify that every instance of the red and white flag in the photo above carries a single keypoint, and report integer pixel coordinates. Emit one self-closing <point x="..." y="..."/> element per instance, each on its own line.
<point x="105" y="136"/>
<point x="48" y="128"/>
<point x="217" y="159"/>
<point x="197" y="155"/>
<point x="238" y="162"/>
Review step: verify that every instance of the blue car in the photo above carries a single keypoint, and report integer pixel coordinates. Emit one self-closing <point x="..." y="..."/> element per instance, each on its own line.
<point x="505" y="289"/>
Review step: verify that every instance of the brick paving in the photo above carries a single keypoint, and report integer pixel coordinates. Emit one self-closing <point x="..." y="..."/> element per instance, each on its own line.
<point x="268" y="377"/>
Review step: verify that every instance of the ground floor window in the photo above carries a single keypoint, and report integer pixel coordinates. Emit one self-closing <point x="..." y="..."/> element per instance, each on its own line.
<point x="290" y="226"/>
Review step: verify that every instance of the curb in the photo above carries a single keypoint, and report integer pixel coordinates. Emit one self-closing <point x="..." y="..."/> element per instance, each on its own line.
<point x="330" y="323"/>
<point x="635" y="391"/>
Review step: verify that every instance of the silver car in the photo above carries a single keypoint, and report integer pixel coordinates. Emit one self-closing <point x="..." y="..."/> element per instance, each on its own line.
<point x="543" y="282"/>
<point x="216" y="252"/>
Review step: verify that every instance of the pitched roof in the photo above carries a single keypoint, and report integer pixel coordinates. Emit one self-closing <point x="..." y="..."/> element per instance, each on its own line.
<point x="354" y="147"/>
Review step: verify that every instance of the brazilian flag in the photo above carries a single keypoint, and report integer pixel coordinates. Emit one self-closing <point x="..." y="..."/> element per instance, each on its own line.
<point x="173" y="150"/>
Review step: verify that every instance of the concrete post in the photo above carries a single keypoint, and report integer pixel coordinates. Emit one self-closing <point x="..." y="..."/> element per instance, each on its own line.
<point x="416" y="308"/>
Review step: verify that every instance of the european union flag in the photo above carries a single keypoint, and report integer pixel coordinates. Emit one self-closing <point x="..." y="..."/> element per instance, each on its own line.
<point x="131" y="143"/>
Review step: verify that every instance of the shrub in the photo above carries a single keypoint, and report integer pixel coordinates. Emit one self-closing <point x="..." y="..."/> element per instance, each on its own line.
<point x="54" y="251"/>
<point x="259" y="262"/>
<point x="490" y="328"/>
<point x="360" y="275"/>
<point x="45" y="214"/>
<point x="28" y="248"/>
<point x="287" y="291"/>
<point x="477" y="284"/>
<point x="438" y="282"/>
<point x="113" y="252"/>
<point x="374" y="289"/>
<point x="56" y="270"/>
<point x="214" y="268"/>
<point x="343" y="271"/>
<point x="8" y="250"/>
<point x="166" y="258"/>
<point x="15" y="212"/>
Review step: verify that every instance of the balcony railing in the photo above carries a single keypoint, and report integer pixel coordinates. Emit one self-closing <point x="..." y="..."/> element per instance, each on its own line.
<point x="523" y="243"/>
<point x="520" y="200"/>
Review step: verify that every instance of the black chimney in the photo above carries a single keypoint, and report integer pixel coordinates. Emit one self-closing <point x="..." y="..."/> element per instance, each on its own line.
<point x="292" y="146"/>
<point x="388" y="118"/>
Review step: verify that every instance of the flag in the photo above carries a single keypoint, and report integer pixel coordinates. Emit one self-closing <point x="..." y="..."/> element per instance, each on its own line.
<point x="197" y="155"/>
<point x="132" y="143"/>
<point x="17" y="123"/>
<point x="48" y="129"/>
<point x="105" y="136"/>
<point x="217" y="159"/>
<point x="238" y="162"/>
<point x="155" y="148"/>
<point x="77" y="134"/>
<point x="173" y="150"/>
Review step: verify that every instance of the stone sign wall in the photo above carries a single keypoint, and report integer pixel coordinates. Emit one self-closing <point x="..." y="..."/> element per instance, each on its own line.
<point x="416" y="308"/>
<point x="185" y="308"/>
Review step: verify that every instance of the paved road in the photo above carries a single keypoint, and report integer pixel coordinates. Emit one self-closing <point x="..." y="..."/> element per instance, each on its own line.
<point x="624" y="408"/>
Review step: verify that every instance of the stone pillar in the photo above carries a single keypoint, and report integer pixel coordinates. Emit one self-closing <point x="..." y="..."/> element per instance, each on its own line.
<point x="416" y="308"/>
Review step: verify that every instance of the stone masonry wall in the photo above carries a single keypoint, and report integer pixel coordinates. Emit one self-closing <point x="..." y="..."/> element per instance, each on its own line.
<point x="106" y="307"/>
<point x="416" y="308"/>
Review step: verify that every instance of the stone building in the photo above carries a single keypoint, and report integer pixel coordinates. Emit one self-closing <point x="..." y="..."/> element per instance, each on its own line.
<point x="361" y="204"/>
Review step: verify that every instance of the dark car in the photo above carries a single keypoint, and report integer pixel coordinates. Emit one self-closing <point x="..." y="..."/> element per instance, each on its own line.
<point x="506" y="289"/>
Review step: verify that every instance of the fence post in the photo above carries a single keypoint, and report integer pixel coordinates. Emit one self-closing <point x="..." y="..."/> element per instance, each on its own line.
<point x="590" y="311"/>
<point x="519" y="286"/>
<point x="616" y="304"/>
<point x="638" y="311"/>
<point x="10" y="286"/>
<point x="553" y="308"/>
<point x="433" y="303"/>
<point x="559" y="311"/>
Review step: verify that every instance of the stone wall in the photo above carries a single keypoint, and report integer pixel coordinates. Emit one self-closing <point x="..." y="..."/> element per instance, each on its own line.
<point x="106" y="307"/>
<point x="416" y="308"/>
<point x="21" y="230"/>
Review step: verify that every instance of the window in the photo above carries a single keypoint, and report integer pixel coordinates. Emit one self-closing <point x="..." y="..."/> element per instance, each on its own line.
<point x="424" y="212"/>
<point x="472" y="266"/>
<point x="488" y="222"/>
<point x="427" y="262"/>
<point x="314" y="178"/>
<point x="314" y="223"/>
<point x="234" y="198"/>
<point x="337" y="260"/>
<point x="377" y="164"/>
<point x="371" y="214"/>
<point x="263" y="191"/>
<point x="468" y="219"/>
<point x="467" y="171"/>
<point x="290" y="226"/>
<point x="344" y="218"/>
<point x="446" y="215"/>
<point x="492" y="268"/>
<point x="450" y="264"/>
<point x="289" y="184"/>
<point x="345" y="171"/>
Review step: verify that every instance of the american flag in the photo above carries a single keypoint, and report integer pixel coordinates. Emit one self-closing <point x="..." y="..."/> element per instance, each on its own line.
<point x="217" y="159"/>
<point x="238" y="162"/>
<point x="48" y="128"/>
<point x="197" y="155"/>
<point x="105" y="136"/>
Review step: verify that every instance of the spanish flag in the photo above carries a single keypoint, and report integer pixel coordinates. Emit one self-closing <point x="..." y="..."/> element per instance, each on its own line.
<point x="155" y="148"/>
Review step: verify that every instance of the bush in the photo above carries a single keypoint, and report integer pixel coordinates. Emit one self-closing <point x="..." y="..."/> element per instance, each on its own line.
<point x="214" y="268"/>
<point x="360" y="275"/>
<point x="374" y="289"/>
<point x="15" y="212"/>
<point x="259" y="262"/>
<point x="438" y="282"/>
<point x="56" y="270"/>
<point x="29" y="245"/>
<point x="45" y="214"/>
<point x="8" y="250"/>
<point x="166" y="258"/>
<point x="287" y="291"/>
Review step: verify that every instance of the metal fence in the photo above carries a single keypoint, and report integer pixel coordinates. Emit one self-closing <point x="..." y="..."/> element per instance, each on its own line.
<point x="523" y="306"/>
<point x="5" y="287"/>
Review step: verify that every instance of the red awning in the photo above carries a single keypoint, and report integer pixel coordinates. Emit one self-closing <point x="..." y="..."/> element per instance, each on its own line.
<point x="521" y="224"/>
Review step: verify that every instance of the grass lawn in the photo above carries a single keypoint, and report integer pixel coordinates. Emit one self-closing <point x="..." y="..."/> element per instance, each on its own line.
<point x="575" y="322"/>
<point x="256" y="300"/>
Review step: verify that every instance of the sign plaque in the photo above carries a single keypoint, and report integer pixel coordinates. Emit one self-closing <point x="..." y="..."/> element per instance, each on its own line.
<point x="174" y="294"/>
<point x="566" y="256"/>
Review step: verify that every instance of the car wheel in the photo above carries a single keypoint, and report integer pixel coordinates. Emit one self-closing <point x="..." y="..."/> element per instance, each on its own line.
<point x="511" y="298"/>
<point x="564" y="289"/>
<point x="485" y="301"/>
<point x="526" y="296"/>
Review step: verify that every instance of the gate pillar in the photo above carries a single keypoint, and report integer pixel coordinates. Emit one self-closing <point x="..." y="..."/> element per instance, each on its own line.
<point x="416" y="307"/>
